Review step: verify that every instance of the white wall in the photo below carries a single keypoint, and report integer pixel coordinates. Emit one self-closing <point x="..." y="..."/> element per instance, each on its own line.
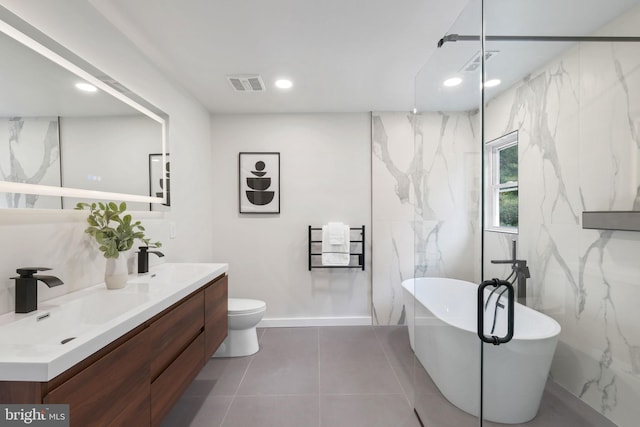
<point x="55" y="239"/>
<point x="325" y="162"/>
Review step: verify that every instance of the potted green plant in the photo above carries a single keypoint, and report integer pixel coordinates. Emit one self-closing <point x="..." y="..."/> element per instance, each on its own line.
<point x="115" y="232"/>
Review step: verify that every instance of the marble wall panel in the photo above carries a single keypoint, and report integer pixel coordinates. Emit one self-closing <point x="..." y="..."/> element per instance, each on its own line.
<point x="579" y="150"/>
<point x="425" y="203"/>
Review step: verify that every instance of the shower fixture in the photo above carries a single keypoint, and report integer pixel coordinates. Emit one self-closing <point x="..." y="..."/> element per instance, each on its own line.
<point x="570" y="39"/>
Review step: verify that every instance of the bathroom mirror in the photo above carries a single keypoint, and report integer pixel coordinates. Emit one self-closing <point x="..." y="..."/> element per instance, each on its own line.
<point x="60" y="144"/>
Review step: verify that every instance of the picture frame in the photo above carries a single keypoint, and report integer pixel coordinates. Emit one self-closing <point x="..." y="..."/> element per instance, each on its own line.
<point x="156" y="172"/>
<point x="259" y="182"/>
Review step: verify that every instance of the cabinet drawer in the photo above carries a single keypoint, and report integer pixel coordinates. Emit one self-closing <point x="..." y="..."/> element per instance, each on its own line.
<point x="172" y="333"/>
<point x="216" y="307"/>
<point x="170" y="385"/>
<point x="115" y="387"/>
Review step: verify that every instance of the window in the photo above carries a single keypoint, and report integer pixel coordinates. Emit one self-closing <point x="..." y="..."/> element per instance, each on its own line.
<point x="502" y="183"/>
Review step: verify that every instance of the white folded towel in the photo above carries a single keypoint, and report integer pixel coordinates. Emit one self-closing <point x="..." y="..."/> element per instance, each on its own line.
<point x="335" y="254"/>
<point x="336" y="233"/>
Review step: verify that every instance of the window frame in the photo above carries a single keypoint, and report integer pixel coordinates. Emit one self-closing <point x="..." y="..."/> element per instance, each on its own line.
<point x="493" y="186"/>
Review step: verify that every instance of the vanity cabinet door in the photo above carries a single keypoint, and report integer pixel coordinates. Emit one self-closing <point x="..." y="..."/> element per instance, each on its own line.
<point x="216" y="320"/>
<point x="174" y="330"/>
<point x="114" y="390"/>
<point x="169" y="386"/>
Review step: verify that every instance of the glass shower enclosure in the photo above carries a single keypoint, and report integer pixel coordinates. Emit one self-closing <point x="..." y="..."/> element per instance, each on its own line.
<point x="527" y="114"/>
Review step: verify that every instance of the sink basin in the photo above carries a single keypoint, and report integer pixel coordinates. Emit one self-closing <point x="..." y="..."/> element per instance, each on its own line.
<point x="165" y="276"/>
<point x="53" y="324"/>
<point x="65" y="330"/>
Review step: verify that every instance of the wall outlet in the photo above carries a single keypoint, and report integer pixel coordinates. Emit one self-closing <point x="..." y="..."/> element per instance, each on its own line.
<point x="172" y="229"/>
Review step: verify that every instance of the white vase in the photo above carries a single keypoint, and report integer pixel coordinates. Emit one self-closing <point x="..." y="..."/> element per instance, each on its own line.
<point x="116" y="272"/>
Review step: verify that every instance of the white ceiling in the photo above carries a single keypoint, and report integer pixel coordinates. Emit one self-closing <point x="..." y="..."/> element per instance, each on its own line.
<point x="513" y="60"/>
<point x="342" y="55"/>
<point x="32" y="85"/>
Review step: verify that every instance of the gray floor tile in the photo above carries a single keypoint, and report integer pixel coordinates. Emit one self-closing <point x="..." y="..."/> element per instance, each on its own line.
<point x="348" y="342"/>
<point x="559" y="408"/>
<point x="422" y="382"/>
<point x="273" y="411"/>
<point x="220" y="376"/>
<point x="366" y="411"/>
<point x="287" y="363"/>
<point x="395" y="343"/>
<point x="366" y="375"/>
<point x="406" y="377"/>
<point x="436" y="411"/>
<point x="352" y="360"/>
<point x="202" y="411"/>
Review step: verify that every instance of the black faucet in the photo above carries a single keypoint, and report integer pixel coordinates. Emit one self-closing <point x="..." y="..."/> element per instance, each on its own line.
<point x="143" y="258"/>
<point x="520" y="269"/>
<point x="27" y="287"/>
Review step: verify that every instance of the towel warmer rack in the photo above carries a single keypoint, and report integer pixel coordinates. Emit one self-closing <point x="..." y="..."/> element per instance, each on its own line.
<point x="357" y="242"/>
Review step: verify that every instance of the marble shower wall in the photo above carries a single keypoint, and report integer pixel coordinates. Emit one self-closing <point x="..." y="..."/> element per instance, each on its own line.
<point x="425" y="203"/>
<point x="579" y="149"/>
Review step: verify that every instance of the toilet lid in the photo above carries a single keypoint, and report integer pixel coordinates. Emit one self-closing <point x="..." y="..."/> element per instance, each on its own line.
<point x="244" y="305"/>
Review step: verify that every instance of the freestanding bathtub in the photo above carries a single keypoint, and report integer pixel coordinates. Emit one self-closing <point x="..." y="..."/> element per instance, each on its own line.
<point x="442" y="331"/>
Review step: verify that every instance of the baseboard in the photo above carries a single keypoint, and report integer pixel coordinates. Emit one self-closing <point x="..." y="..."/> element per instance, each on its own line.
<point x="293" y="322"/>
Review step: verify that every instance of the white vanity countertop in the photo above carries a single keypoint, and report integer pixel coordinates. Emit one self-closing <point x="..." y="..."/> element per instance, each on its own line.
<point x="31" y="349"/>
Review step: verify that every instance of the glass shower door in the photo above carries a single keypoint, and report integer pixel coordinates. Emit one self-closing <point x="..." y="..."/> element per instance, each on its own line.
<point x="560" y="135"/>
<point x="446" y="193"/>
<point x="461" y="324"/>
<point x="526" y="115"/>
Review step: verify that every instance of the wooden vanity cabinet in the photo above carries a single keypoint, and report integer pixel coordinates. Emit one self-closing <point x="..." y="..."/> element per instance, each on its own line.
<point x="187" y="355"/>
<point x="136" y="380"/>
<point x="115" y="387"/>
<point x="169" y="386"/>
<point x="173" y="330"/>
<point x="216" y="315"/>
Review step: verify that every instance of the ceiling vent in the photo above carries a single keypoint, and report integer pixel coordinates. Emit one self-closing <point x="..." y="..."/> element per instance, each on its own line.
<point x="115" y="84"/>
<point x="474" y="63"/>
<point x="246" y="83"/>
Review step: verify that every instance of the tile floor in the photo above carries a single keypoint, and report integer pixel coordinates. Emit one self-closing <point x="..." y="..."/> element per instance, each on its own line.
<point x="338" y="376"/>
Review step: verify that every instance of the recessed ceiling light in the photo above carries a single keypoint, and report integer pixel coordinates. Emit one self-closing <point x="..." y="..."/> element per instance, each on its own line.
<point x="86" y="87"/>
<point x="492" y="83"/>
<point x="453" y="81"/>
<point x="284" y="84"/>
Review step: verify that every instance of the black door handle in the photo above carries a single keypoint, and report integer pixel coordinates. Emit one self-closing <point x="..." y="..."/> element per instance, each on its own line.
<point x="493" y="339"/>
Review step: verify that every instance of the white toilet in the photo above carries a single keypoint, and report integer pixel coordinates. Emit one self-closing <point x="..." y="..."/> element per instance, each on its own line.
<point x="242" y="339"/>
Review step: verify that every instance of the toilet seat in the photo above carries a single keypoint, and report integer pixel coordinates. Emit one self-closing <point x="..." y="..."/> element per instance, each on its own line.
<point x="245" y="306"/>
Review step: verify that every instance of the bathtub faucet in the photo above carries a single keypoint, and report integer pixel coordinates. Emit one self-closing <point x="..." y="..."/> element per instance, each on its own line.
<point x="498" y="303"/>
<point x="520" y="270"/>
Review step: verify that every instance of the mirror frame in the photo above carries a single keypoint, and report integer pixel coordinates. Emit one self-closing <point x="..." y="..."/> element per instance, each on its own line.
<point x="32" y="38"/>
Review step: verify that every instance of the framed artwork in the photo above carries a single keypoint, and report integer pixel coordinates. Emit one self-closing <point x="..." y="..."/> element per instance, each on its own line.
<point x="259" y="182"/>
<point x="156" y="171"/>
